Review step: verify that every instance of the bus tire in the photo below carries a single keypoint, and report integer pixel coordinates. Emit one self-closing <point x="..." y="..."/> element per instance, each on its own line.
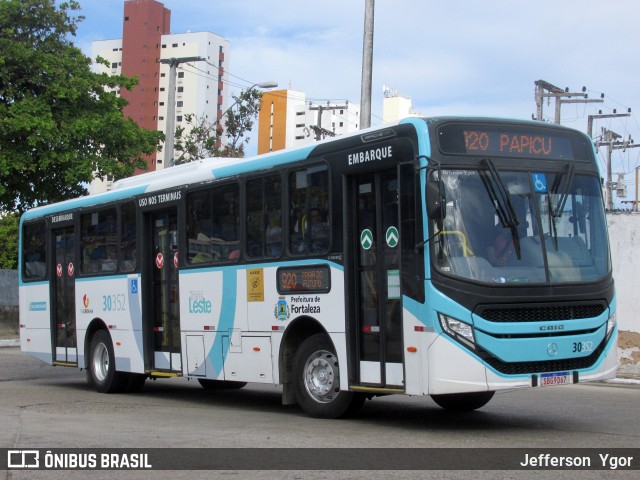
<point x="463" y="402"/>
<point x="209" y="384"/>
<point x="316" y="379"/>
<point x="101" y="371"/>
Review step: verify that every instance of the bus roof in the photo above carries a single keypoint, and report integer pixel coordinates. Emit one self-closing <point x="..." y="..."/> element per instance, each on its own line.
<point x="193" y="172"/>
<point x="216" y="168"/>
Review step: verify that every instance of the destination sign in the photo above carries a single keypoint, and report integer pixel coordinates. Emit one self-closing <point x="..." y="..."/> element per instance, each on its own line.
<point x="306" y="279"/>
<point x="512" y="141"/>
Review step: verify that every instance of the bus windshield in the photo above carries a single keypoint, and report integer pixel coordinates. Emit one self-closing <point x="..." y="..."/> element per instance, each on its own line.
<point x="507" y="227"/>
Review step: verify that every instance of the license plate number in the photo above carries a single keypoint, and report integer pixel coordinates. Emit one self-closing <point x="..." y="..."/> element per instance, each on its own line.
<point x="556" y="378"/>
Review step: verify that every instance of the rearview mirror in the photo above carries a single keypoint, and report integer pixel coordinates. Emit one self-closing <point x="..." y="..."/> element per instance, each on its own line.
<point x="436" y="200"/>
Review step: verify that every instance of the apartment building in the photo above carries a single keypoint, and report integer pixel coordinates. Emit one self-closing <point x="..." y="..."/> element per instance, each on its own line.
<point x="201" y="86"/>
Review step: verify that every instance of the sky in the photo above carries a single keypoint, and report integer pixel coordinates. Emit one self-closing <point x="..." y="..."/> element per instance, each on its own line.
<point x="451" y="57"/>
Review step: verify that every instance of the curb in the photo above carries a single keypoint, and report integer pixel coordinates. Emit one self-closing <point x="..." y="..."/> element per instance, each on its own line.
<point x="622" y="381"/>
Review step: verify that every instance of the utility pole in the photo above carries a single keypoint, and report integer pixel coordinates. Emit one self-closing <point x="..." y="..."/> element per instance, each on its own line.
<point x="319" y="131"/>
<point x="548" y="90"/>
<point x="590" y="119"/>
<point x="367" y="66"/>
<point x="170" y="132"/>
<point x="610" y="140"/>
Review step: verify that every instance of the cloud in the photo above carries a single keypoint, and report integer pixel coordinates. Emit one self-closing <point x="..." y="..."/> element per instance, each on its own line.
<point x="454" y="56"/>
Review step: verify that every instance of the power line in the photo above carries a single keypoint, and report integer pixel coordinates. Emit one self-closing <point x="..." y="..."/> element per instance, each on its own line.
<point x="612" y="141"/>
<point x="547" y="90"/>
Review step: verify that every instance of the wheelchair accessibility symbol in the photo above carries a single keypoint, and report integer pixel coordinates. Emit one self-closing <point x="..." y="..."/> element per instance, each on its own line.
<point x="539" y="182"/>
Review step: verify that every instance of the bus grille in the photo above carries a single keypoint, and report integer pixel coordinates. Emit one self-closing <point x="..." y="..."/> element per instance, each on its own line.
<point x="560" y="365"/>
<point x="541" y="313"/>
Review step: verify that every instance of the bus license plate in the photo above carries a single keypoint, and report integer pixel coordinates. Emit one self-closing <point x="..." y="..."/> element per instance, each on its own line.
<point x="555" y="378"/>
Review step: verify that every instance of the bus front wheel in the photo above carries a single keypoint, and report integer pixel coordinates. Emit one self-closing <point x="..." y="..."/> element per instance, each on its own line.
<point x="317" y="380"/>
<point x="101" y="371"/>
<point x="463" y="402"/>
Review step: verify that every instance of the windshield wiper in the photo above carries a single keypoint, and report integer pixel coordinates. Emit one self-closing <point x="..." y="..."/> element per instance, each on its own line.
<point x="563" y="189"/>
<point x="502" y="202"/>
<point x="566" y="187"/>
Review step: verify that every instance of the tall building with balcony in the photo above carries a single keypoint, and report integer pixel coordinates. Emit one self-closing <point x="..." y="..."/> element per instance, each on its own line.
<point x="287" y="120"/>
<point x="201" y="87"/>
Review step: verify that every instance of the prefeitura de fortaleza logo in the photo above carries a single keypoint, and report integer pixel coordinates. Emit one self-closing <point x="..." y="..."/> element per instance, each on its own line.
<point x="281" y="311"/>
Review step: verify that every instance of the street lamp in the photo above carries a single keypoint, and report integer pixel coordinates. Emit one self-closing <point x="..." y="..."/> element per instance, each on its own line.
<point x="262" y="86"/>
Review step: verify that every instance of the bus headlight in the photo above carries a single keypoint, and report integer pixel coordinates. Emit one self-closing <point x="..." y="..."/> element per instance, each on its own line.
<point x="461" y="331"/>
<point x="611" y="323"/>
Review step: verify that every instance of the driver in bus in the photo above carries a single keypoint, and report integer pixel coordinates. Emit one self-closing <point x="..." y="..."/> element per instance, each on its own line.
<point x="502" y="247"/>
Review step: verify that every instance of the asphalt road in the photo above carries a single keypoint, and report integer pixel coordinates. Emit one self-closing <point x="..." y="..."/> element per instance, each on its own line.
<point x="53" y="407"/>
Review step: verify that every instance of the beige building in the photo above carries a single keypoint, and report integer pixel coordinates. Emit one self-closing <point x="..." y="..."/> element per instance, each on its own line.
<point x="395" y="106"/>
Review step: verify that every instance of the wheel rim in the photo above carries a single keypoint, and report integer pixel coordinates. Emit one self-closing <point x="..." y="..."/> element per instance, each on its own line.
<point x="101" y="362"/>
<point x="321" y="376"/>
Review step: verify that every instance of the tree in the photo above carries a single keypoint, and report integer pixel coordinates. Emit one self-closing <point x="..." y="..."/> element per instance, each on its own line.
<point x="9" y="240"/>
<point x="202" y="138"/>
<point x="61" y="124"/>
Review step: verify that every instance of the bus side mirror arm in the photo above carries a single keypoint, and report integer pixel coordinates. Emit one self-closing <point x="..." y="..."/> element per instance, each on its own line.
<point x="420" y="246"/>
<point x="435" y="195"/>
<point x="436" y="200"/>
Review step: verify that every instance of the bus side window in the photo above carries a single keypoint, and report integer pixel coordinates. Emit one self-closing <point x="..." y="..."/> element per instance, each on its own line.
<point x="128" y="254"/>
<point x="199" y="227"/>
<point x="264" y="217"/>
<point x="34" y="252"/>
<point x="226" y="221"/>
<point x="213" y="224"/>
<point x="99" y="241"/>
<point x="309" y="226"/>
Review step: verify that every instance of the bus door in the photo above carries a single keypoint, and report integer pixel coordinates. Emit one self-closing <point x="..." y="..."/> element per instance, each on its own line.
<point x="163" y="309"/>
<point x="64" y="297"/>
<point x="375" y="259"/>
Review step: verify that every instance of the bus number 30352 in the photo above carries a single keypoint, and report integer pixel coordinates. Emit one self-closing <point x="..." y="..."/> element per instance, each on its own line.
<point x="113" y="303"/>
<point x="582" y="347"/>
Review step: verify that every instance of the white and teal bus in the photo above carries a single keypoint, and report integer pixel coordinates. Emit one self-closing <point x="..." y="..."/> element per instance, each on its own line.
<point x="450" y="257"/>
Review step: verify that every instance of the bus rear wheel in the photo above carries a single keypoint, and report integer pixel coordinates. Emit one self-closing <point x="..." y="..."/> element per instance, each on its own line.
<point x="101" y="371"/>
<point x="316" y="374"/>
<point x="463" y="402"/>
